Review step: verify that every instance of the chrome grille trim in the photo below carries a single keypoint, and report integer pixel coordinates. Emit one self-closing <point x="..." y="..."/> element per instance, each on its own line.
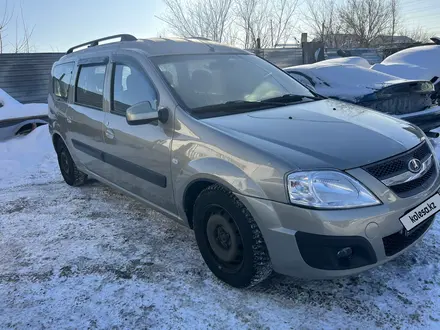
<point x="409" y="176"/>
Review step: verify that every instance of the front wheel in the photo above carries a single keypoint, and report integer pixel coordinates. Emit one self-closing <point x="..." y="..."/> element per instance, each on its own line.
<point x="229" y="239"/>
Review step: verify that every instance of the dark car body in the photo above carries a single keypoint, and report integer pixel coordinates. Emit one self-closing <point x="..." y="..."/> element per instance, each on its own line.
<point x="412" y="100"/>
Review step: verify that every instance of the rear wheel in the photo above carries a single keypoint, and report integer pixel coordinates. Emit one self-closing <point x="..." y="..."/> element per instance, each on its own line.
<point x="229" y="239"/>
<point x="69" y="171"/>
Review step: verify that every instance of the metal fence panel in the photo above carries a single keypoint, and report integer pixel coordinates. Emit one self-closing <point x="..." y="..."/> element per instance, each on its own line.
<point x="281" y="57"/>
<point x="26" y="76"/>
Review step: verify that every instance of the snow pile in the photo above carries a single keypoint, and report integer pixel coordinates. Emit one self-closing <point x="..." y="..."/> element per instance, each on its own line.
<point x="28" y="159"/>
<point x="418" y="63"/>
<point x="11" y="108"/>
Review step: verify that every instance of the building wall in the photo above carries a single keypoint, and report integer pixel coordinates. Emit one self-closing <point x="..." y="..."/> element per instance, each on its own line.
<point x="26" y="76"/>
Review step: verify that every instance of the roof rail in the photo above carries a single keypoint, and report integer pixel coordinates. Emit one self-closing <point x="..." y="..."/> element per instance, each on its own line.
<point x="124" y="37"/>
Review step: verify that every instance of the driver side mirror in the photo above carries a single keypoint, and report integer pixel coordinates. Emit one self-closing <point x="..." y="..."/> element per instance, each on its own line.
<point x="143" y="113"/>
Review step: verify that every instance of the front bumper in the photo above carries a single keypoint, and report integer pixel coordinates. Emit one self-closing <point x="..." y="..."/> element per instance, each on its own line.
<point x="298" y="239"/>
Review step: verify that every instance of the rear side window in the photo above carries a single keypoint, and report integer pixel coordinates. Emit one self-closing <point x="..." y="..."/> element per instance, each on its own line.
<point x="90" y="86"/>
<point x="61" y="79"/>
<point x="130" y="87"/>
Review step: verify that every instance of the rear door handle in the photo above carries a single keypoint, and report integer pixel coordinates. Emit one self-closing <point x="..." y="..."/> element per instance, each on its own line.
<point x="69" y="120"/>
<point x="109" y="133"/>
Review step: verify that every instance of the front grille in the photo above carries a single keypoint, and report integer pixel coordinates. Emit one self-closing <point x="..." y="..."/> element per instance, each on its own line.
<point x="396" y="165"/>
<point x="398" y="241"/>
<point x="416" y="186"/>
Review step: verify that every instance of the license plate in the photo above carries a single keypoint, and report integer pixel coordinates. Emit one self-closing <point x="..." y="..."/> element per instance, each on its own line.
<point x="421" y="212"/>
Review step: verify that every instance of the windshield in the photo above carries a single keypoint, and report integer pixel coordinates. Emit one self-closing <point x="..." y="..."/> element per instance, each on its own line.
<point x="204" y="81"/>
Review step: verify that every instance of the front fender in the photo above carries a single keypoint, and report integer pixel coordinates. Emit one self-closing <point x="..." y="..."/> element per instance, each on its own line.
<point x="214" y="170"/>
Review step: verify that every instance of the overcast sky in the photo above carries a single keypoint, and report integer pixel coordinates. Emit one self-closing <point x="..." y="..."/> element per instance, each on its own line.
<point x="59" y="24"/>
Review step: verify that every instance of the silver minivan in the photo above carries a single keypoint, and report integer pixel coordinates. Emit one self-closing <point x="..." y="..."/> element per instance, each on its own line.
<point x="268" y="174"/>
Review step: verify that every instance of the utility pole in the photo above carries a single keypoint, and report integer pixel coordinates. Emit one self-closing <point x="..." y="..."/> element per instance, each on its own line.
<point x="271" y="33"/>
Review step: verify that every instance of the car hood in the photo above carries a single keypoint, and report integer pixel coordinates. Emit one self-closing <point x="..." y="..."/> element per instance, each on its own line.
<point x="321" y="134"/>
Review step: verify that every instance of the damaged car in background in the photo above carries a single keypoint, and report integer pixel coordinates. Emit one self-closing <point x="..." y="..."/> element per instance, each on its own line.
<point x="19" y="119"/>
<point x="415" y="63"/>
<point x="415" y="101"/>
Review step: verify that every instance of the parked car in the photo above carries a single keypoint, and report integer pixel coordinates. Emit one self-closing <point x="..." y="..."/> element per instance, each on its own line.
<point x="412" y="100"/>
<point x="269" y="175"/>
<point x="416" y="63"/>
<point x="19" y="119"/>
<point x="421" y="62"/>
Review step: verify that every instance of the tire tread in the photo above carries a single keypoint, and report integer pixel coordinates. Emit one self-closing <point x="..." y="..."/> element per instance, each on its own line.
<point x="77" y="178"/>
<point x="261" y="264"/>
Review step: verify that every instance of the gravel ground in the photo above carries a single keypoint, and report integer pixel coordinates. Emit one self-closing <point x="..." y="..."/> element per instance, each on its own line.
<point x="89" y="257"/>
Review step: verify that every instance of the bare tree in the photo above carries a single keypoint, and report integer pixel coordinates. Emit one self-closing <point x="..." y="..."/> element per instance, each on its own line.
<point x="272" y="21"/>
<point x="22" y="44"/>
<point x="366" y="19"/>
<point x="252" y="20"/>
<point x="322" y="17"/>
<point x="198" y="18"/>
<point x="282" y="20"/>
<point x="418" y="34"/>
<point x="4" y="21"/>
<point x="238" y="22"/>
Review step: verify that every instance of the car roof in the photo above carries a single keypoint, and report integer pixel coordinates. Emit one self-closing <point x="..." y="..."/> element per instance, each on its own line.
<point x="181" y="46"/>
<point x="154" y="47"/>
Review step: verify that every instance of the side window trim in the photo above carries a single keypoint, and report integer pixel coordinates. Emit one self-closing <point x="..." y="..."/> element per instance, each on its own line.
<point x="78" y="73"/>
<point x="112" y="90"/>
<point x="118" y="59"/>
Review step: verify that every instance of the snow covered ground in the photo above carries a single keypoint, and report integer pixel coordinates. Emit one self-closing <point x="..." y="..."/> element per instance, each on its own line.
<point x="91" y="258"/>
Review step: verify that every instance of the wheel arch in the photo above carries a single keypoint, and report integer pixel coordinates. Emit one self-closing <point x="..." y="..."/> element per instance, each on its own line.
<point x="207" y="172"/>
<point x="56" y="137"/>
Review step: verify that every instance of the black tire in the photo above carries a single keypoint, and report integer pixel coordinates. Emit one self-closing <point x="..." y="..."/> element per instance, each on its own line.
<point x="241" y="260"/>
<point x="69" y="171"/>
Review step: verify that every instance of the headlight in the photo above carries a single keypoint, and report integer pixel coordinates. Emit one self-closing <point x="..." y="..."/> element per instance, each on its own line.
<point x="328" y="190"/>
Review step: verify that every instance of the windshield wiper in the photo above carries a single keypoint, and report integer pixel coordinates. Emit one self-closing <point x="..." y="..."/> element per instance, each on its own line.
<point x="237" y="106"/>
<point x="240" y="106"/>
<point x="291" y="98"/>
<point x="268" y="102"/>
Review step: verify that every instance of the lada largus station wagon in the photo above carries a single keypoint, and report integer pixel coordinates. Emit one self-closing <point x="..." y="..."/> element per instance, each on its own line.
<point x="268" y="174"/>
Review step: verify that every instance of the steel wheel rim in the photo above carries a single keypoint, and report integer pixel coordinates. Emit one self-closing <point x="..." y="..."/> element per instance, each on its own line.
<point x="64" y="163"/>
<point x="224" y="239"/>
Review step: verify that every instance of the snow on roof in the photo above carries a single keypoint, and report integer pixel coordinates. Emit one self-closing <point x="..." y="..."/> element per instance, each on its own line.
<point x="413" y="63"/>
<point x="355" y="60"/>
<point x="406" y="71"/>
<point x="10" y="108"/>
